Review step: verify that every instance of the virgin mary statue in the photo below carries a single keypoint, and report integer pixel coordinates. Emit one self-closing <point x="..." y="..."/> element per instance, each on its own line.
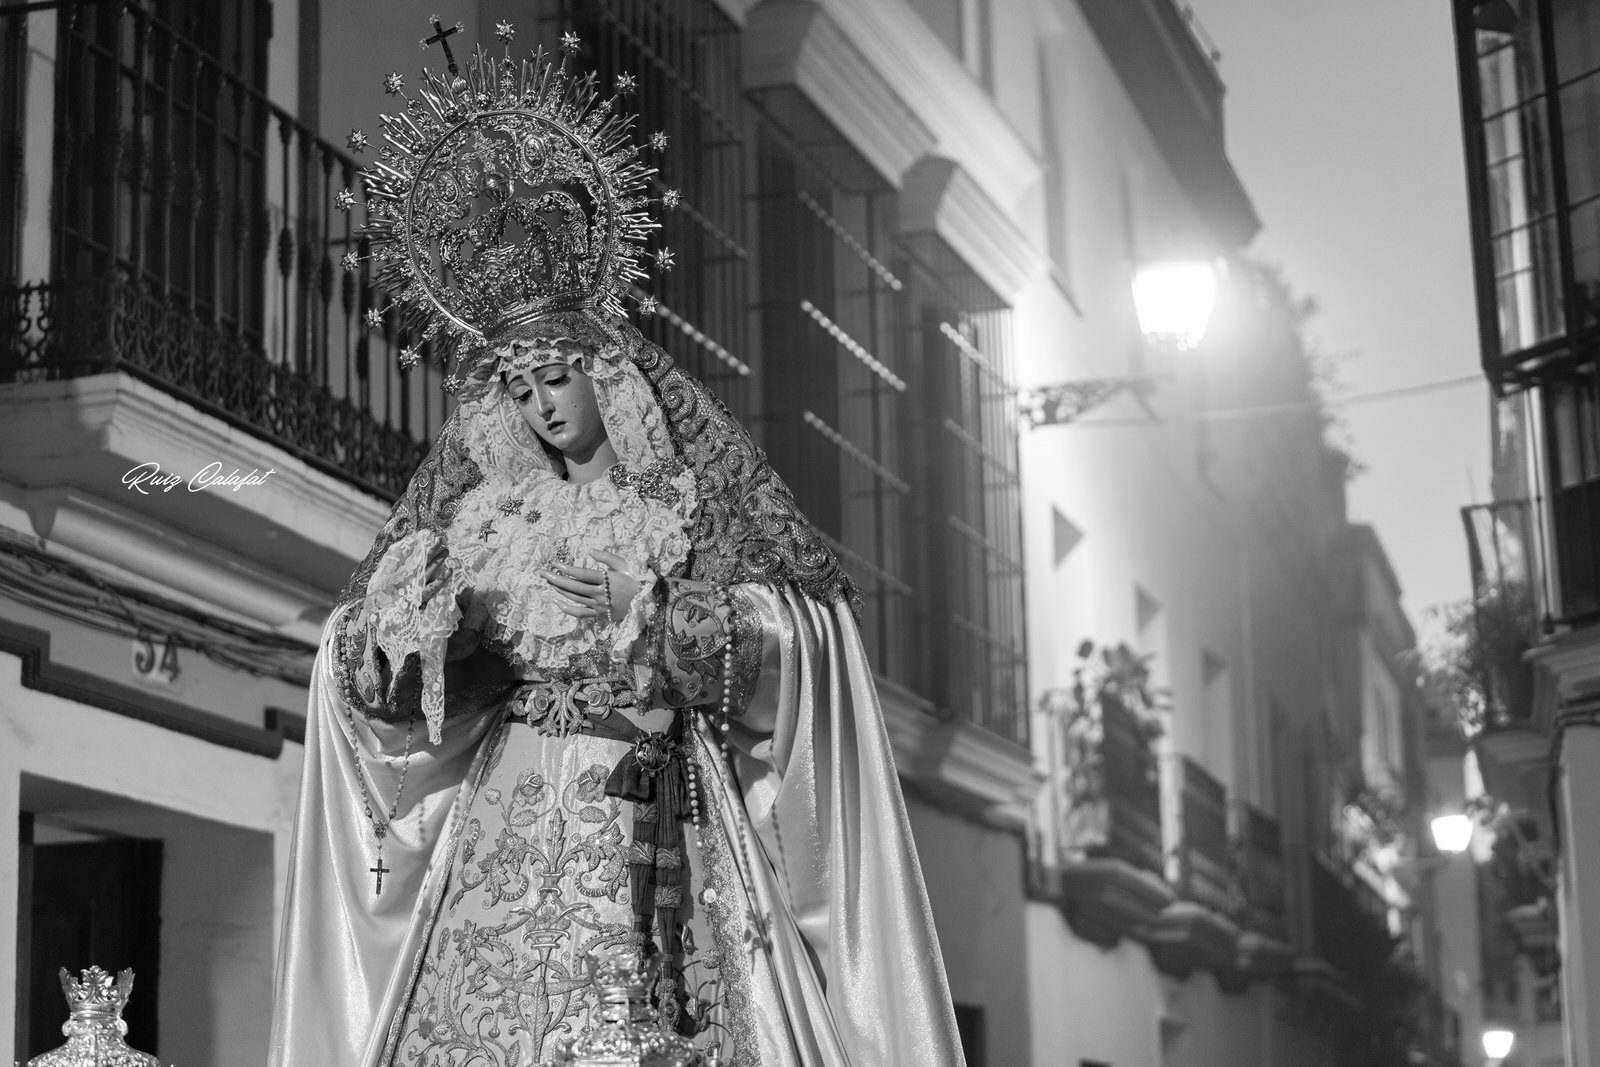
<point x="598" y="684"/>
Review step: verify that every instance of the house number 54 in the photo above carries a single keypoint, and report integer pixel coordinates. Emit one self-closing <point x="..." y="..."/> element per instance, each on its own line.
<point x="155" y="657"/>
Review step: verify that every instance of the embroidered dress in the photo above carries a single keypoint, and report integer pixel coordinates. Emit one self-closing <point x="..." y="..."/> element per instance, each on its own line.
<point x="572" y="790"/>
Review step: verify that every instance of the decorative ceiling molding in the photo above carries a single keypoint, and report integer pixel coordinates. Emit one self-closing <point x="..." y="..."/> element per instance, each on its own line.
<point x="963" y="117"/>
<point x="72" y="444"/>
<point x="940" y="197"/>
<point x="794" y="43"/>
<point x="965" y="765"/>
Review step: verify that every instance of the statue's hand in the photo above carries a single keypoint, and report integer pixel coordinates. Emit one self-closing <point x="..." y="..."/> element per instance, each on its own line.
<point x="584" y="590"/>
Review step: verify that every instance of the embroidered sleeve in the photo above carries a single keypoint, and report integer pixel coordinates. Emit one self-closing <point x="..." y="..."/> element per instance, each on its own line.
<point x="708" y="636"/>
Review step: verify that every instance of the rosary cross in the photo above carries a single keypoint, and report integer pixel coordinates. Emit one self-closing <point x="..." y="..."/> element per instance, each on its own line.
<point x="441" y="37"/>
<point x="380" y="870"/>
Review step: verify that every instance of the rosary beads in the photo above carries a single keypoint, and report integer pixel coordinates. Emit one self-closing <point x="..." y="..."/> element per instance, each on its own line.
<point x="380" y="829"/>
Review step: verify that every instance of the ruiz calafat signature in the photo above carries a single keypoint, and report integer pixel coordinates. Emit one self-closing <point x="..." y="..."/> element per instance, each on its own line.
<point x="148" y="478"/>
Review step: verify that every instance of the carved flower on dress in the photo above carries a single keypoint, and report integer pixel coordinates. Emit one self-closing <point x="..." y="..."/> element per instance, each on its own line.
<point x="591" y="786"/>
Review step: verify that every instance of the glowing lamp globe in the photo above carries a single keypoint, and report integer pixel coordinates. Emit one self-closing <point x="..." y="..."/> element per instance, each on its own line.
<point x="1174" y="301"/>
<point x="1497" y="1043"/>
<point x="1452" y="833"/>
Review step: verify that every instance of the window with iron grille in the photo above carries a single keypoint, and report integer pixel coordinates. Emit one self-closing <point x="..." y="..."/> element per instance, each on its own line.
<point x="684" y="55"/>
<point x="13" y="106"/>
<point x="161" y="151"/>
<point x="968" y="495"/>
<point x="1572" y="420"/>
<point x="832" y="398"/>
<point x="1530" y="85"/>
<point x="194" y="235"/>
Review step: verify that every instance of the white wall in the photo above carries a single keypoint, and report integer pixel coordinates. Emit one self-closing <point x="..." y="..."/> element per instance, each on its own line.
<point x="225" y="818"/>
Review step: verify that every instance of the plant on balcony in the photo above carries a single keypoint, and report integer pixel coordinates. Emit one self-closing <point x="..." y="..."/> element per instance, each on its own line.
<point x="1117" y="680"/>
<point x="1479" y="668"/>
<point x="1374" y="820"/>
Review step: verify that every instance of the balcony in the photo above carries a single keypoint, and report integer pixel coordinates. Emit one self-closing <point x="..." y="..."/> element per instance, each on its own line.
<point x="1110" y="881"/>
<point x="1349" y="925"/>
<point x="1258" y="845"/>
<point x="1205" y="863"/>
<point x="1197" y="931"/>
<point x="175" y="226"/>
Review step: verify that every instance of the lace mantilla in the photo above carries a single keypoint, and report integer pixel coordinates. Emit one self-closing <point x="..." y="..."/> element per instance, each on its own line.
<point x="520" y="517"/>
<point x="748" y="527"/>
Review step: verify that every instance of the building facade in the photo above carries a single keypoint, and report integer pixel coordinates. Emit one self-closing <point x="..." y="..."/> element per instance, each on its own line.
<point x="1530" y="93"/>
<point x="895" y="215"/>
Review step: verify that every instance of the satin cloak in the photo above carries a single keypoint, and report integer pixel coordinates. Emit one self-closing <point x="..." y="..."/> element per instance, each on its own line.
<point x="848" y="971"/>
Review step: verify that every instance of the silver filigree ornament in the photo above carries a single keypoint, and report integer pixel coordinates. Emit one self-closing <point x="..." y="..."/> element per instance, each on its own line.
<point x="94" y="1028"/>
<point x="511" y="190"/>
<point x="626" y="1031"/>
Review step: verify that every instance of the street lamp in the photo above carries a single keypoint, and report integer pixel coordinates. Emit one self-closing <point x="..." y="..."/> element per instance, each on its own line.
<point x="1452" y="833"/>
<point x="1173" y="300"/>
<point x="1497" y="1043"/>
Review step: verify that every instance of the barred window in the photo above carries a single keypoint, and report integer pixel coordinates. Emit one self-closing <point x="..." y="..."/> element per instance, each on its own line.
<point x="684" y="56"/>
<point x="968" y="498"/>
<point x="161" y="151"/>
<point x="833" y="398"/>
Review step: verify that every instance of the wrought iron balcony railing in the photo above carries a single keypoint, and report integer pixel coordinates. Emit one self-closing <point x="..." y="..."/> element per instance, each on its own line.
<point x="193" y="234"/>
<point x="1349" y="921"/>
<point x="1258" y="851"/>
<point x="1114" y="789"/>
<point x="1505" y="609"/>
<point x="1205" y="866"/>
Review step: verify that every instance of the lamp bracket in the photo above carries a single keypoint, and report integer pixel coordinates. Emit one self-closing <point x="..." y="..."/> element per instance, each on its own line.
<point x="1063" y="402"/>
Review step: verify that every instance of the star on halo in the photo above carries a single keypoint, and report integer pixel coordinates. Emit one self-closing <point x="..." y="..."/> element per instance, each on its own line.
<point x="570" y="41"/>
<point x="664" y="260"/>
<point x="647" y="305"/>
<point x="350" y="261"/>
<point x="670" y="198"/>
<point x="658" y="141"/>
<point x="626" y="84"/>
<point x="409" y="356"/>
<point x="357" y="141"/>
<point x="343" y="200"/>
<point x="505" y="32"/>
<point x="393" y="82"/>
<point x="373" y="318"/>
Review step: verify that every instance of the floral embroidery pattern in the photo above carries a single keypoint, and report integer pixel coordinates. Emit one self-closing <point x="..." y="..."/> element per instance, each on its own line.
<point x="541" y="858"/>
<point x="540" y="881"/>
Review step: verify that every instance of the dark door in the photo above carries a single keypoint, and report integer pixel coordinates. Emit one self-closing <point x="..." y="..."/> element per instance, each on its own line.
<point x="96" y="903"/>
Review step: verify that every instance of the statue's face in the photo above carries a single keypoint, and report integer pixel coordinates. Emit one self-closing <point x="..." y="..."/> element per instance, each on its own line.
<point x="557" y="401"/>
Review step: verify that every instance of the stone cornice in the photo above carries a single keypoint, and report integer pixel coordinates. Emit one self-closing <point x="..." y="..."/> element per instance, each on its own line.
<point x="1103" y="900"/>
<point x="963" y="764"/>
<point x="879" y="74"/>
<point x="940" y="197"/>
<point x="72" y="442"/>
<point x="1186" y="936"/>
<point x="95" y="531"/>
<point x="964" y="119"/>
<point x="1566" y="673"/>
<point x="795" y="43"/>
